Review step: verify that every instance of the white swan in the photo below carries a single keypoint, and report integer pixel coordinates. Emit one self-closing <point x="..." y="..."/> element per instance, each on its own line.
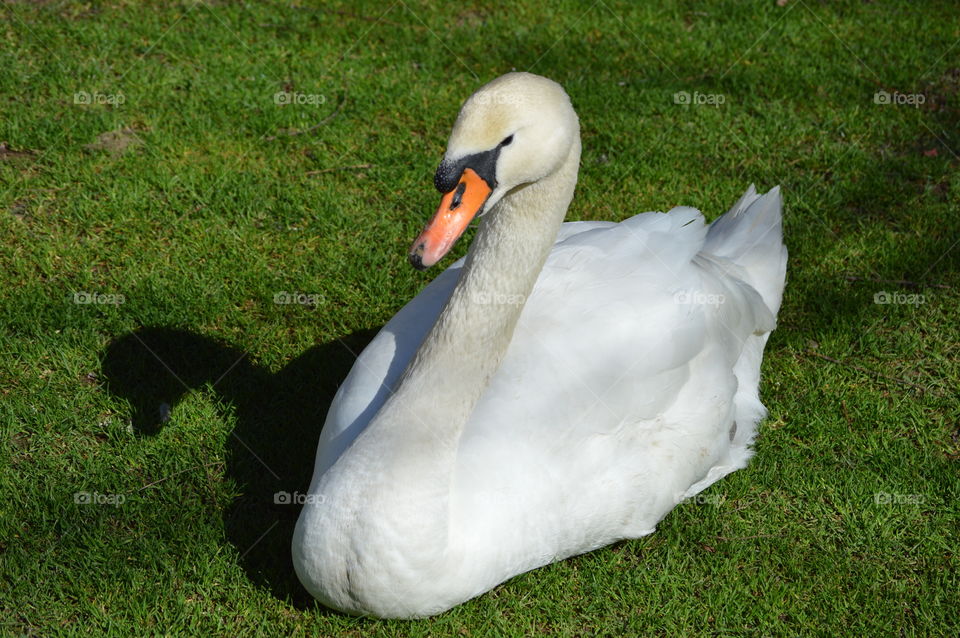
<point x="552" y="393"/>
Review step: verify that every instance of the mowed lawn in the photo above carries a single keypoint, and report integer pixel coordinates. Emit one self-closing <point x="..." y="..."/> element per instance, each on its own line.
<point x="204" y="214"/>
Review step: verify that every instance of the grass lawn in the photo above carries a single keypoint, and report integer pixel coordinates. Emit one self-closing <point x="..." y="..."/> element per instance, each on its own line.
<point x="172" y="173"/>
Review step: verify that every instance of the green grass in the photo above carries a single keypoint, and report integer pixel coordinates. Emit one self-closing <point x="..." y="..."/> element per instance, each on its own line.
<point x="212" y="209"/>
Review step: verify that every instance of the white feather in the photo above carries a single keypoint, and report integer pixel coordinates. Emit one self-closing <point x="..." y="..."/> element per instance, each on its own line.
<point x="629" y="384"/>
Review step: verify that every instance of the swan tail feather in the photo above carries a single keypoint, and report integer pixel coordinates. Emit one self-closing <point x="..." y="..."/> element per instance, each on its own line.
<point x="750" y="235"/>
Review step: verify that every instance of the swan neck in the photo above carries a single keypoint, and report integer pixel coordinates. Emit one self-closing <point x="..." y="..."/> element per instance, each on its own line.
<point x="466" y="345"/>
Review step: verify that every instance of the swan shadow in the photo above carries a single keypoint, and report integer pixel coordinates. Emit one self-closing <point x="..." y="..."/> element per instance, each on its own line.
<point x="271" y="450"/>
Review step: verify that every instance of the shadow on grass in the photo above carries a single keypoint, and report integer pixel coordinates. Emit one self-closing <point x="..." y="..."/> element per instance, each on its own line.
<point x="271" y="450"/>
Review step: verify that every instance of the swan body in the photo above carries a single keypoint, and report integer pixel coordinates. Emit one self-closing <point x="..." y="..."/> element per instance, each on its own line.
<point x="562" y="387"/>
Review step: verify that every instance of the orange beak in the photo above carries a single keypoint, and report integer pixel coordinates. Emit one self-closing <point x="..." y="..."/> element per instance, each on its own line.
<point x="457" y="209"/>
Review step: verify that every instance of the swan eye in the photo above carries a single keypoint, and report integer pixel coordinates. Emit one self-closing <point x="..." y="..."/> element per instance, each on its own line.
<point x="458" y="196"/>
<point x="506" y="141"/>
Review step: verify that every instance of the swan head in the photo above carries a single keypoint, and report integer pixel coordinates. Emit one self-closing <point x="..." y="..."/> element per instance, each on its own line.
<point x="515" y="130"/>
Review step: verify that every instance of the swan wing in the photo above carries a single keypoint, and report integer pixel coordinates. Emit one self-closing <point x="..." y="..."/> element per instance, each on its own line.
<point x="617" y="396"/>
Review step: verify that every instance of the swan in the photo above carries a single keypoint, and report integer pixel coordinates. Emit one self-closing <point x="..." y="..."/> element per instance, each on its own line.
<point x="562" y="387"/>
